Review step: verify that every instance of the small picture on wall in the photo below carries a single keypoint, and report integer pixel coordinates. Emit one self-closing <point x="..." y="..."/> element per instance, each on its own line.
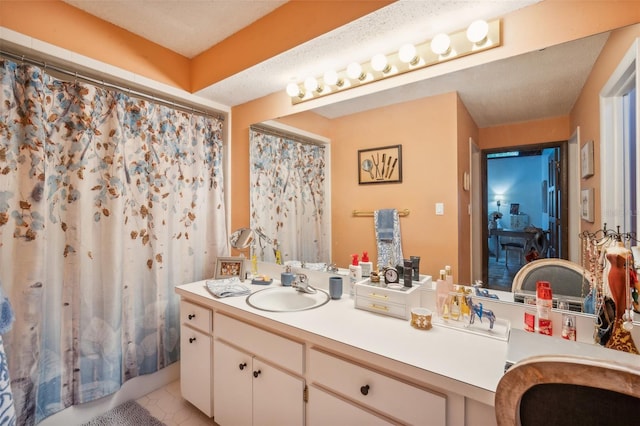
<point x="514" y="208"/>
<point x="586" y="205"/>
<point x="380" y="165"/>
<point x="586" y="160"/>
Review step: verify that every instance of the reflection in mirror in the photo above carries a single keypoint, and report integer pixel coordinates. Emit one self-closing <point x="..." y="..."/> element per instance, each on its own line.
<point x="242" y="238"/>
<point x="288" y="189"/>
<point x="519" y="90"/>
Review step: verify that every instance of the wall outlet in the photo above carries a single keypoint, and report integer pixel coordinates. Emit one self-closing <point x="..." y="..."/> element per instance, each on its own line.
<point x="439" y="209"/>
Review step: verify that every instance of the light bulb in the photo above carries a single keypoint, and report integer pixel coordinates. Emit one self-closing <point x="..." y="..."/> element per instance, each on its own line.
<point x="441" y="44"/>
<point x="379" y="63"/>
<point x="293" y="90"/>
<point x="477" y="31"/>
<point x="331" y="78"/>
<point x="407" y="54"/>
<point x="354" y="71"/>
<point x="311" y="84"/>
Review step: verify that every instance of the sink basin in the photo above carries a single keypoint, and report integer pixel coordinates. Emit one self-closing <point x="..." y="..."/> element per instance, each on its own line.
<point x="286" y="299"/>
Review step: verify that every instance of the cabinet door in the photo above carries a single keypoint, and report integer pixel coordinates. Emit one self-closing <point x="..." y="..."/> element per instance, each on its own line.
<point x="278" y="397"/>
<point x="231" y="386"/>
<point x="195" y="368"/>
<point x="326" y="409"/>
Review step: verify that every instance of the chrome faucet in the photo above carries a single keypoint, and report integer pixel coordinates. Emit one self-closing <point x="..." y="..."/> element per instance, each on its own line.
<point x="301" y="283"/>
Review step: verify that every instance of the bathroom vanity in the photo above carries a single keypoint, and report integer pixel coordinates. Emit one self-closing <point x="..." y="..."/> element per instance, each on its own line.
<point x="339" y="365"/>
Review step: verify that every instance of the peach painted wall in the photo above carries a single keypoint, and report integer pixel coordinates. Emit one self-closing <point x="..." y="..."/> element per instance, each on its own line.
<point x="466" y="128"/>
<point x="586" y="111"/>
<point x="426" y="129"/>
<point x="525" y="133"/>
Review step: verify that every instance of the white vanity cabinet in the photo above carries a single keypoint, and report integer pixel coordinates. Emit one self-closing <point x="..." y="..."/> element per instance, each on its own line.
<point x="369" y="389"/>
<point x="327" y="409"/>
<point x="257" y="376"/>
<point x="195" y="355"/>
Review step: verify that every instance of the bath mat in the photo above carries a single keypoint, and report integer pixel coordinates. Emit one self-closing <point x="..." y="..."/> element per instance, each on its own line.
<point x="129" y="413"/>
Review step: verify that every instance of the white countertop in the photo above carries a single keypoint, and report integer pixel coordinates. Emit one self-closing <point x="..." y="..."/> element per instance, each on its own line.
<point x="464" y="358"/>
<point x="470" y="359"/>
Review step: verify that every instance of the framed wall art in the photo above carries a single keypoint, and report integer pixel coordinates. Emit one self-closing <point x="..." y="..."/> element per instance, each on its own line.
<point x="228" y="267"/>
<point x="380" y="165"/>
<point x="586" y="160"/>
<point x="586" y="205"/>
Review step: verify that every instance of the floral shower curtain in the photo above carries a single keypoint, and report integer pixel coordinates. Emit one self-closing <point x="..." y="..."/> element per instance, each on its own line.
<point x="288" y="196"/>
<point x="106" y="203"/>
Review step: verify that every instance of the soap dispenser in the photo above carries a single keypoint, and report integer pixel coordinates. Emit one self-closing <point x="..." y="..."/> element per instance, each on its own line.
<point x="355" y="274"/>
<point x="366" y="266"/>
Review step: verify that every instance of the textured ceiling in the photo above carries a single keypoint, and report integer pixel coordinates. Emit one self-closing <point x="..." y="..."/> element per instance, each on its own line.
<point x="493" y="93"/>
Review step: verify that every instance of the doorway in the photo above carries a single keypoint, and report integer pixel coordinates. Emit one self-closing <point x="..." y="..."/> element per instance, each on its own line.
<point x="524" y="208"/>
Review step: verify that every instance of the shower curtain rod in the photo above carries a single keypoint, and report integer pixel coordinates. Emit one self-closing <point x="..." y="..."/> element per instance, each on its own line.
<point x="102" y="83"/>
<point x="283" y="134"/>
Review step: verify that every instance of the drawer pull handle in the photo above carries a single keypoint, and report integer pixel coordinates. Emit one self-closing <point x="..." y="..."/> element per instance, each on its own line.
<point x="381" y="308"/>
<point x="242" y="366"/>
<point x="192" y="339"/>
<point x="191" y="316"/>
<point x="364" y="390"/>
<point x="256" y="373"/>
<point x="379" y="296"/>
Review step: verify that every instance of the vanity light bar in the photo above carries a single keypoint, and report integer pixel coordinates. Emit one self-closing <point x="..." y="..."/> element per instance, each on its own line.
<point x="460" y="45"/>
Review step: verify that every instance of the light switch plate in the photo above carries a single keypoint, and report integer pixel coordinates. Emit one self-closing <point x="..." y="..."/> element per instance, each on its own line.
<point x="439" y="209"/>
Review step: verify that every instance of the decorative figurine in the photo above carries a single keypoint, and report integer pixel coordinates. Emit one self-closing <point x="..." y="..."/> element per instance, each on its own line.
<point x="480" y="312"/>
<point x="483" y="292"/>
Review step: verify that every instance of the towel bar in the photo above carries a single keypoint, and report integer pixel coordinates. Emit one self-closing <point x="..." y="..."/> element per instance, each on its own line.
<point x="364" y="213"/>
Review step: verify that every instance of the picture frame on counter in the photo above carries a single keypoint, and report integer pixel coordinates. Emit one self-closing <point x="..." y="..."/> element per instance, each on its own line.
<point x="380" y="165"/>
<point x="229" y="267"/>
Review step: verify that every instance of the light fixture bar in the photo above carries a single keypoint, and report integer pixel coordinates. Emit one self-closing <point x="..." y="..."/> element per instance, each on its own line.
<point x="459" y="46"/>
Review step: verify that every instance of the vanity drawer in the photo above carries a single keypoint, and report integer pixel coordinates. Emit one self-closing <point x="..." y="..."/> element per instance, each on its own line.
<point x="271" y="347"/>
<point x="196" y="316"/>
<point x="387" y="301"/>
<point x="400" y="400"/>
<point x="386" y="308"/>
<point x="381" y="294"/>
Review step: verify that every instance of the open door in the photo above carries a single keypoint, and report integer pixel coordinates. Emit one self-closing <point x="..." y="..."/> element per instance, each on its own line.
<point x="527" y="187"/>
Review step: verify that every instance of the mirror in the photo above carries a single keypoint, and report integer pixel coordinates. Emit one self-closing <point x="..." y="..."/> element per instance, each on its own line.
<point x="510" y="93"/>
<point x="242" y="238"/>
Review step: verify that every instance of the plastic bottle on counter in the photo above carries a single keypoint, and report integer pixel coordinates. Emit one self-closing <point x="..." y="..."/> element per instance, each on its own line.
<point x="366" y="266"/>
<point x="449" y="276"/>
<point x="544" y="302"/>
<point x="355" y="274"/>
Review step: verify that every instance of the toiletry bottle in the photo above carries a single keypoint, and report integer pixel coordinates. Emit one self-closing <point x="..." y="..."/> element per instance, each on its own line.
<point x="366" y="266"/>
<point x="442" y="293"/>
<point x="407" y="273"/>
<point x="449" y="277"/>
<point x="355" y="274"/>
<point x="544" y="302"/>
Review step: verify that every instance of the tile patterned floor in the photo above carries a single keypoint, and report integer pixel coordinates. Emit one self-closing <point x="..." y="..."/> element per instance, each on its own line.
<point x="167" y="405"/>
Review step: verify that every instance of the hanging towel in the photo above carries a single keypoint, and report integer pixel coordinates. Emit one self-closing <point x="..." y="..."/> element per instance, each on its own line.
<point x="227" y="287"/>
<point x="389" y="241"/>
<point x="384" y="224"/>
